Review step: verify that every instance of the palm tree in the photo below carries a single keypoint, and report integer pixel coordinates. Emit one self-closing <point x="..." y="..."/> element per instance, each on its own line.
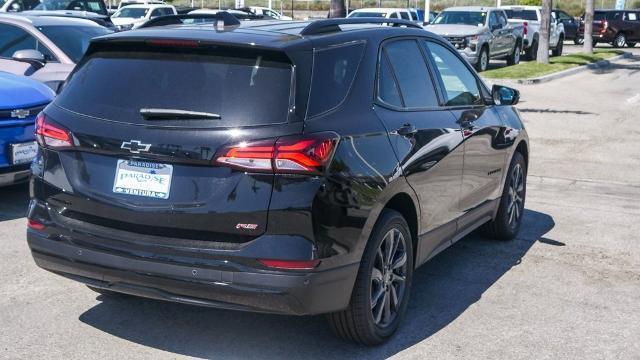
<point x="587" y="47"/>
<point x="545" y="25"/>
<point x="337" y="9"/>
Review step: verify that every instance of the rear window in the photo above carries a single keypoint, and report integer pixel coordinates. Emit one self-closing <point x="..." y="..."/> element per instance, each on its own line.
<point x="600" y="16"/>
<point x="334" y="69"/>
<point x="519" y="14"/>
<point x="248" y="90"/>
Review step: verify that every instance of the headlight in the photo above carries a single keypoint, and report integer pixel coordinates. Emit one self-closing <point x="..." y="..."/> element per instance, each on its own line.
<point x="471" y="42"/>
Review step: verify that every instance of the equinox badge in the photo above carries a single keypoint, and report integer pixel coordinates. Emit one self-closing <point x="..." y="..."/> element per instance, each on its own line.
<point x="135" y="146"/>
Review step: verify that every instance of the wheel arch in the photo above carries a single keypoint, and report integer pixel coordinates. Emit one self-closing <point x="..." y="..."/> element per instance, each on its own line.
<point x="523" y="149"/>
<point x="405" y="205"/>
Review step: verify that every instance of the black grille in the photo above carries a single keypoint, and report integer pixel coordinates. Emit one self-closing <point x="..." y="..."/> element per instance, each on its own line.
<point x="9" y="115"/>
<point x="457" y="41"/>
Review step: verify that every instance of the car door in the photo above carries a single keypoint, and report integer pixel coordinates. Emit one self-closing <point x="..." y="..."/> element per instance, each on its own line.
<point x="496" y="47"/>
<point x="484" y="159"/>
<point x="569" y="23"/>
<point x="507" y="38"/>
<point x="634" y="26"/>
<point x="425" y="137"/>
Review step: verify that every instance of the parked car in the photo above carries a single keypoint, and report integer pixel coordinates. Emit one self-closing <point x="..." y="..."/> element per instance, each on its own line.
<point x="530" y="17"/>
<point x="131" y="16"/>
<point x="45" y="48"/>
<point x="418" y="14"/>
<point x="218" y="176"/>
<point x="620" y="28"/>
<point x="480" y="34"/>
<point x="95" y="6"/>
<point x="124" y="3"/>
<point x="389" y="13"/>
<point x="17" y="5"/>
<point x="102" y="20"/>
<point x="21" y="99"/>
<point x="259" y="10"/>
<point x="570" y="24"/>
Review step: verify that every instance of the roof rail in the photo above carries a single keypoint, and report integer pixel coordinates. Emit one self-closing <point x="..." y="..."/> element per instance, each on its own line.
<point x="227" y="19"/>
<point x="333" y="25"/>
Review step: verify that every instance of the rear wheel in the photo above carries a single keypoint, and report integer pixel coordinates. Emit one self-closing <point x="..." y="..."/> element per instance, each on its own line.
<point x="558" y="50"/>
<point x="514" y="58"/>
<point x="620" y="40"/>
<point x="483" y="60"/>
<point x="578" y="40"/>
<point x="381" y="292"/>
<point x="507" y="222"/>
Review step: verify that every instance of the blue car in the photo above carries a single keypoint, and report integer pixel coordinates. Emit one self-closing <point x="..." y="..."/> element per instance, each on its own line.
<point x="21" y="99"/>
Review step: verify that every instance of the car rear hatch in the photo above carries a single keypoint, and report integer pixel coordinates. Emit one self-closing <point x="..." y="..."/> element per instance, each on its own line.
<point x="145" y="122"/>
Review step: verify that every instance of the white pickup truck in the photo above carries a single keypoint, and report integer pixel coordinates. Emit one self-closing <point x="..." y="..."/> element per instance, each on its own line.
<point x="530" y="17"/>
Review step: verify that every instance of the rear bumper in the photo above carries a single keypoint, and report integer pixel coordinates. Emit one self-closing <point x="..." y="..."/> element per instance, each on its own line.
<point x="190" y="282"/>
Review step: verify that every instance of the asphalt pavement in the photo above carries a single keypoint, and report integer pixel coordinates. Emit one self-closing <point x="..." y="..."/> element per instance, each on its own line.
<point x="568" y="287"/>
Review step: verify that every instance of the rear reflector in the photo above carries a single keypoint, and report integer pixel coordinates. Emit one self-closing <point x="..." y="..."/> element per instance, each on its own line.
<point x="50" y="134"/>
<point x="309" y="154"/>
<point x="290" y="264"/>
<point x="35" y="225"/>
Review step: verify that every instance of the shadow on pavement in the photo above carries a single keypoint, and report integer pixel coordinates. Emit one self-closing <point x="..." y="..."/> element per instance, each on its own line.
<point x="14" y="201"/>
<point x="443" y="289"/>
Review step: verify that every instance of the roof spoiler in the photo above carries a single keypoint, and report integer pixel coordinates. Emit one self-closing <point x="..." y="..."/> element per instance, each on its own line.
<point x="333" y="25"/>
<point x="227" y="19"/>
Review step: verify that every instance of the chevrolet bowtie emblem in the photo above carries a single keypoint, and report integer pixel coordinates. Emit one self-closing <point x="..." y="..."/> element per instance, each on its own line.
<point x="20" y="113"/>
<point x="135" y="146"/>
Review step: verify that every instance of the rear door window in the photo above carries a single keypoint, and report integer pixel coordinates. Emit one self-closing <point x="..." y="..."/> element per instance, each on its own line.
<point x="521" y="14"/>
<point x="405" y="15"/>
<point x="411" y="72"/>
<point x="334" y="70"/>
<point x="13" y="38"/>
<point x="254" y="89"/>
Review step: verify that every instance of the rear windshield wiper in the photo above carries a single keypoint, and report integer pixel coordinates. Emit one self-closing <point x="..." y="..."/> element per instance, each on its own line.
<point x="176" y="114"/>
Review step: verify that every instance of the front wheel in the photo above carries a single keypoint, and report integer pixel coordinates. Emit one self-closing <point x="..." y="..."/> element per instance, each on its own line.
<point x="483" y="60"/>
<point x="508" y="219"/>
<point x="381" y="292"/>
<point x="578" y="40"/>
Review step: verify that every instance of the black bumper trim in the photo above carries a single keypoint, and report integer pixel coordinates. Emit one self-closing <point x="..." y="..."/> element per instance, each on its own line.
<point x="283" y="293"/>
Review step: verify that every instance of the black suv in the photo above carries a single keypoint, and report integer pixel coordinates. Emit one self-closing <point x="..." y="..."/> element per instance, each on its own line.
<point x="283" y="167"/>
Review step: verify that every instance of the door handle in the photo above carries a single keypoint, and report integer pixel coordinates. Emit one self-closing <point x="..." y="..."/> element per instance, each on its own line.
<point x="407" y="130"/>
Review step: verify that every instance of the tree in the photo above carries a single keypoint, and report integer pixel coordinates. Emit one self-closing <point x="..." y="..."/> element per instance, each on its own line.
<point x="543" y="39"/>
<point x="337" y="9"/>
<point x="587" y="47"/>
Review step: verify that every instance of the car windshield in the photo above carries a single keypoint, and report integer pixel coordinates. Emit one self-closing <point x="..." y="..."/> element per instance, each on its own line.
<point x="367" y="14"/>
<point x="129" y="12"/>
<point x="72" y="40"/>
<point x="521" y="14"/>
<point x="82" y="5"/>
<point x="476" y="18"/>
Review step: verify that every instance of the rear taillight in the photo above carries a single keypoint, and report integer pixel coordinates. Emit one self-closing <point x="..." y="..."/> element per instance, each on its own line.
<point x="35" y="225"/>
<point x="308" y="154"/>
<point x="525" y="31"/>
<point x="50" y="134"/>
<point x="605" y="25"/>
<point x="290" y="264"/>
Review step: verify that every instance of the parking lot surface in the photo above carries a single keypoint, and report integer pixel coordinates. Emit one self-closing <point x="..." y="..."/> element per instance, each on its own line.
<point x="567" y="287"/>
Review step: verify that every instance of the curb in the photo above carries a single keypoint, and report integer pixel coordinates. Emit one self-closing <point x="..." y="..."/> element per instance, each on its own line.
<point x="602" y="64"/>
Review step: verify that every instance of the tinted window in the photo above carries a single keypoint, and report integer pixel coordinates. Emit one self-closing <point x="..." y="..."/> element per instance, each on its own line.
<point x="366" y="14"/>
<point x="521" y="14"/>
<point x="493" y="19"/>
<point x="73" y="40"/>
<point x="393" y="16"/>
<point x="249" y="90"/>
<point x="155" y="13"/>
<point x="333" y="72"/>
<point x="616" y="16"/>
<point x="388" y="90"/>
<point x="460" y="85"/>
<point x="13" y="38"/>
<point x="412" y="74"/>
<point x="474" y="18"/>
<point x="563" y="16"/>
<point x="129" y="12"/>
<point x="405" y="15"/>
<point x="501" y="18"/>
<point x="598" y="16"/>
<point x="414" y="15"/>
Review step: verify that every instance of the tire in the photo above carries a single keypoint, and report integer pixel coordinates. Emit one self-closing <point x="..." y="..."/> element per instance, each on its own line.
<point x="558" y="50"/>
<point x="483" y="60"/>
<point x="631" y="44"/>
<point x="508" y="219"/>
<point x="578" y="40"/>
<point x="532" y="52"/>
<point x="357" y="323"/>
<point x="514" y="59"/>
<point x="619" y="41"/>
<point x="106" y="292"/>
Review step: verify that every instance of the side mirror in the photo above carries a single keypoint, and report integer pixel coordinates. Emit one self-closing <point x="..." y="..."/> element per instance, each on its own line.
<point x="31" y="57"/>
<point x="503" y="95"/>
